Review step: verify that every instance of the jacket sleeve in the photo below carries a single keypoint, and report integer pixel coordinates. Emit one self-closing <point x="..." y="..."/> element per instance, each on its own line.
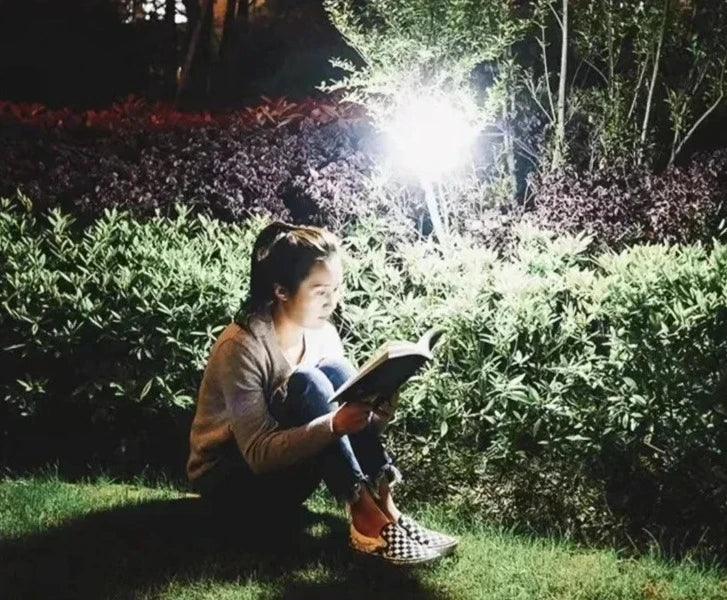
<point x="263" y="444"/>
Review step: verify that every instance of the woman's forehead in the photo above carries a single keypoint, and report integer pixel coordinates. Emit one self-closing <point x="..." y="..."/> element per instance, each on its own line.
<point x="326" y="272"/>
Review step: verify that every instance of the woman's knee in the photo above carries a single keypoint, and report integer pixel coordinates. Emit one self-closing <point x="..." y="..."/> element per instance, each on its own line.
<point x="337" y="370"/>
<point x="306" y="380"/>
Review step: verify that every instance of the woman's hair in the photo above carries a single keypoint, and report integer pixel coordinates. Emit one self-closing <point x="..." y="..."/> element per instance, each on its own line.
<point x="284" y="254"/>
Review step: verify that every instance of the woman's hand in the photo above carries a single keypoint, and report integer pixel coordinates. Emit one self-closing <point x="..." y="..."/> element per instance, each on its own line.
<point x="385" y="411"/>
<point x="351" y="417"/>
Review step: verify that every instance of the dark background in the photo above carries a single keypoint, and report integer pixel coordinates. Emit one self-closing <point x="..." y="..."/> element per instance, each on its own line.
<point x="82" y="54"/>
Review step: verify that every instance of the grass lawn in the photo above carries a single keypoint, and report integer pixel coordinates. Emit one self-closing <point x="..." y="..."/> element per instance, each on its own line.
<point x="100" y="539"/>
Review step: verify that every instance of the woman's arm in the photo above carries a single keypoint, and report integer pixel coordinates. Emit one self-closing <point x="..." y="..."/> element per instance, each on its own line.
<point x="262" y="443"/>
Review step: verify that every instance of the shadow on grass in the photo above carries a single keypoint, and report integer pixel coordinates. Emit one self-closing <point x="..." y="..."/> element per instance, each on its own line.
<point x="131" y="550"/>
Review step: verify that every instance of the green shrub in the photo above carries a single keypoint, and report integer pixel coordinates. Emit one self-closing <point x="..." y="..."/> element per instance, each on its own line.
<point x="106" y="328"/>
<point x="558" y="369"/>
<point x="597" y="377"/>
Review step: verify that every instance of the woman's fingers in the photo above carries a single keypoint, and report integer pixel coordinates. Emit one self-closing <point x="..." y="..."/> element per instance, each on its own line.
<point x="356" y="415"/>
<point x="365" y="414"/>
<point x="352" y="417"/>
<point x="386" y="409"/>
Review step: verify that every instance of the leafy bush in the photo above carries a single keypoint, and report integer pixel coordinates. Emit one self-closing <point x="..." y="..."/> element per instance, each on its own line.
<point x="623" y="204"/>
<point x="558" y="369"/>
<point x="107" y="327"/>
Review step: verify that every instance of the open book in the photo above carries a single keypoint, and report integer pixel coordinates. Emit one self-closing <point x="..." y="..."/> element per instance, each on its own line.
<point x="387" y="369"/>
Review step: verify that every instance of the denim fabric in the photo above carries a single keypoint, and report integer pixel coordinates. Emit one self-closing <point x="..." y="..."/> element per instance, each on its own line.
<point x="352" y="460"/>
<point x="344" y="465"/>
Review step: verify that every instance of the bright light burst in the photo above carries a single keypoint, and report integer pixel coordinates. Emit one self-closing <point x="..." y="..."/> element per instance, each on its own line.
<point x="430" y="134"/>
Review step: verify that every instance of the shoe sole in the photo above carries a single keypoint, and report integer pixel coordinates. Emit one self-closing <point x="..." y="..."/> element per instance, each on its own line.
<point x="445" y="550"/>
<point x="394" y="562"/>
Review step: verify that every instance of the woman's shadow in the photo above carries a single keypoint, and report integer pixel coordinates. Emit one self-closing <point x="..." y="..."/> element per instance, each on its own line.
<point x="132" y="550"/>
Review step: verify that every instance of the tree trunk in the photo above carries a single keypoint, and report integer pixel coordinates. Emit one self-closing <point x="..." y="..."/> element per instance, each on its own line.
<point x="194" y="78"/>
<point x="611" y="61"/>
<point x="559" y="151"/>
<point x="509" y="107"/>
<point x="192" y="9"/>
<point x="228" y="30"/>
<point x="228" y="44"/>
<point x="652" y="85"/>
<point x="170" y="28"/>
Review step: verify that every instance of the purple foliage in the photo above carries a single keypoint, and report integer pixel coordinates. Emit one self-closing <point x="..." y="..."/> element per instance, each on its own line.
<point x="318" y="173"/>
<point x="625" y="204"/>
<point x="687" y="204"/>
<point x="309" y="173"/>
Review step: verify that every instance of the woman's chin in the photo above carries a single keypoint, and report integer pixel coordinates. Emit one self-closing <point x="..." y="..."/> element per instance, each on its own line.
<point x="317" y="323"/>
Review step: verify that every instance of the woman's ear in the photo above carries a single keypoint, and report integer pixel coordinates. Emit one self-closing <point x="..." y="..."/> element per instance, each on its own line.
<point x="280" y="292"/>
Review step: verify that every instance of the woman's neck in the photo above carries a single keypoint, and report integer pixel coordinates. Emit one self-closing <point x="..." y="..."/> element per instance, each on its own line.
<point x="288" y="332"/>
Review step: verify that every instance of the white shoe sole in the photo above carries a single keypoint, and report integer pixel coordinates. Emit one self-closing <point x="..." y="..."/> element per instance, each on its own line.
<point x="404" y="562"/>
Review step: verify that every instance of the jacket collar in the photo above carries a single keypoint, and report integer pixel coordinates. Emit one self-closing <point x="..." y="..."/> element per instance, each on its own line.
<point x="261" y="324"/>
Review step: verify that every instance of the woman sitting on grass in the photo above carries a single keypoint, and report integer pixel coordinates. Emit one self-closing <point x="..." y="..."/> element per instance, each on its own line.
<point x="264" y="434"/>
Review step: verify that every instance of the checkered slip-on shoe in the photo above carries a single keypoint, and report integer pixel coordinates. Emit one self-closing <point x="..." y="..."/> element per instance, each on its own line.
<point x="393" y="545"/>
<point x="441" y="543"/>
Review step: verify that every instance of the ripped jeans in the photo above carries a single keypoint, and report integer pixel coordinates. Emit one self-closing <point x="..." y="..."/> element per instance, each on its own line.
<point x="345" y="465"/>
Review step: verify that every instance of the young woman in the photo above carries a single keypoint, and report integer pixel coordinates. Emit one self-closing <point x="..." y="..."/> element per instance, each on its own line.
<point x="264" y="434"/>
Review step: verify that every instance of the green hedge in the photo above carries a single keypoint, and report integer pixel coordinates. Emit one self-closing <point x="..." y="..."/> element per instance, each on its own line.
<point x="559" y="368"/>
<point x="106" y="331"/>
<point x="575" y="391"/>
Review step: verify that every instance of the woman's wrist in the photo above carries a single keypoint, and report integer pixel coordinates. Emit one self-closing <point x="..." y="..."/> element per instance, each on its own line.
<point x="331" y="423"/>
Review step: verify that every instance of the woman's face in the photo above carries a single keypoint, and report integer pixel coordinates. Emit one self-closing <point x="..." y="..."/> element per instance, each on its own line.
<point x="317" y="295"/>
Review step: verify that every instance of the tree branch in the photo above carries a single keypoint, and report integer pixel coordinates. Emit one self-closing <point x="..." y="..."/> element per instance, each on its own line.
<point x="597" y="70"/>
<point x="652" y="86"/>
<point x="560" y="123"/>
<point x="638" y="88"/>
<point x="530" y="85"/>
<point x="547" y="72"/>
<point x="556" y="15"/>
<point x="706" y="114"/>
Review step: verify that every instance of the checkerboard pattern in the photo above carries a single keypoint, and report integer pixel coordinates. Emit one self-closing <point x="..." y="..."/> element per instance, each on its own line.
<point x="440" y="542"/>
<point x="393" y="545"/>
